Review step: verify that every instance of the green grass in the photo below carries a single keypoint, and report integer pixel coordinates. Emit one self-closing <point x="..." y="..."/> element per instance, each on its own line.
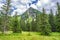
<point x="33" y="36"/>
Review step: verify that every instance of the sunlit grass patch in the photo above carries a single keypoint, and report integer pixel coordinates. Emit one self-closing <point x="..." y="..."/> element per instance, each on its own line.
<point x="33" y="36"/>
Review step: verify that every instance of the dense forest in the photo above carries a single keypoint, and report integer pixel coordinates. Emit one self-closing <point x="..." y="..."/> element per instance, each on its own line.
<point x="32" y="20"/>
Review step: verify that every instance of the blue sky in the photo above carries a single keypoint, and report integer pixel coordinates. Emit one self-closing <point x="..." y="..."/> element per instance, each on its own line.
<point x="22" y="5"/>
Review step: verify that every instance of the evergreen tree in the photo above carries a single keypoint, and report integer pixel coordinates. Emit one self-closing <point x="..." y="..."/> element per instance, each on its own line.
<point x="52" y="21"/>
<point x="16" y="25"/>
<point x="58" y="18"/>
<point x="44" y="24"/>
<point x="5" y="17"/>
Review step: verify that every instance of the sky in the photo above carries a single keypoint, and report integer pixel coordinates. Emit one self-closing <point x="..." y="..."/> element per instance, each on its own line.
<point x="21" y="6"/>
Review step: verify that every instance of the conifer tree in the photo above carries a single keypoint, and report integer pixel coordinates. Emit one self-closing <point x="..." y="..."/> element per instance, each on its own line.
<point x="5" y="11"/>
<point x="44" y="24"/>
<point x="52" y="21"/>
<point x="58" y="18"/>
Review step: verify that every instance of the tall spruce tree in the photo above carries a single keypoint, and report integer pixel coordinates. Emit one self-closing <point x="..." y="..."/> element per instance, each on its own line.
<point x="44" y="24"/>
<point x="5" y="11"/>
<point x="52" y="21"/>
<point x="58" y="18"/>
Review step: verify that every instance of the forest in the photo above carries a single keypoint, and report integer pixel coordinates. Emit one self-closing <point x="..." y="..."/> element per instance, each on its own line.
<point x="33" y="22"/>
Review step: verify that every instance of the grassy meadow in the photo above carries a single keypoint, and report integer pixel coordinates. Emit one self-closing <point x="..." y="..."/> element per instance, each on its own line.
<point x="32" y="36"/>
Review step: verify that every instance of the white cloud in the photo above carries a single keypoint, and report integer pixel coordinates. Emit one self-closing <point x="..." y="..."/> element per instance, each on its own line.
<point x="53" y="4"/>
<point x="25" y="1"/>
<point x="34" y="6"/>
<point x="39" y="4"/>
<point x="45" y="1"/>
<point x="20" y="9"/>
<point x="15" y="0"/>
<point x="21" y="6"/>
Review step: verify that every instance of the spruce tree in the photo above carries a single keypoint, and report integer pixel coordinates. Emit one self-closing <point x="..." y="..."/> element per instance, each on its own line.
<point x="52" y="21"/>
<point x="44" y="24"/>
<point x="58" y="18"/>
<point x="5" y="11"/>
